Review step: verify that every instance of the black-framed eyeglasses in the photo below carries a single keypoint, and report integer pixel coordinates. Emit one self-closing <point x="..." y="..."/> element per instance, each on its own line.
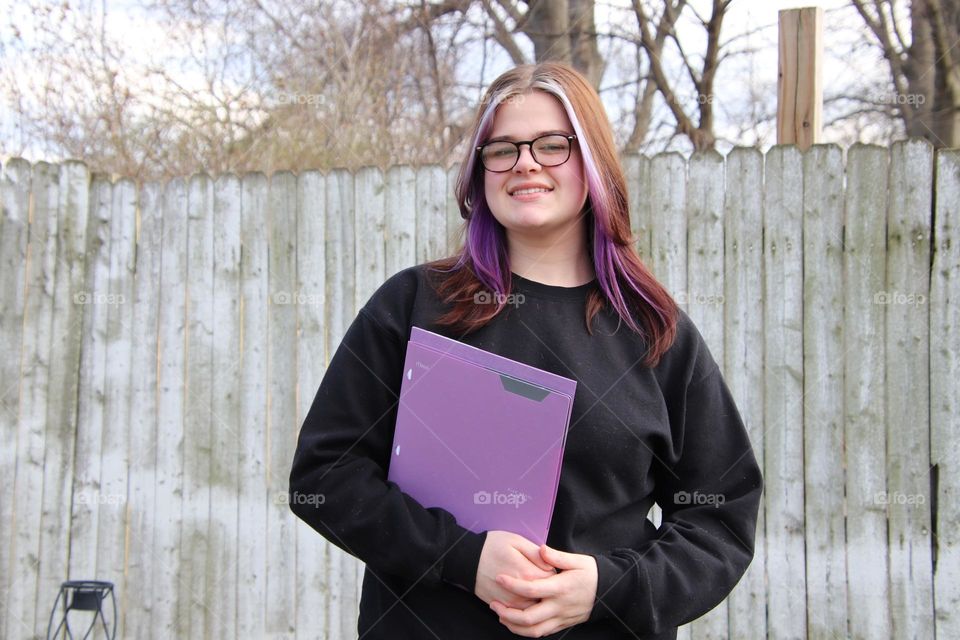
<point x="550" y="150"/>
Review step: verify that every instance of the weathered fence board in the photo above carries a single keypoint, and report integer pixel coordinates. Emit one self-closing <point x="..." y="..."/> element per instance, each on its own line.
<point x="370" y="240"/>
<point x="144" y="567"/>
<point x="312" y="583"/>
<point x="823" y="389"/>
<point x="864" y="435"/>
<point x="169" y="600"/>
<point x="945" y="393"/>
<point x="195" y="596"/>
<point x="431" y="228"/>
<point x="252" y="431"/>
<point x="34" y="395"/>
<point x="163" y="343"/>
<point x="743" y="351"/>
<point x="400" y="236"/>
<point x="61" y="417"/>
<point x="14" y="230"/>
<point x="703" y="296"/>
<point x="636" y="169"/>
<point x="908" y="404"/>
<point x="115" y="454"/>
<point x="281" y="402"/>
<point x="225" y="416"/>
<point x="88" y="457"/>
<point x="786" y="594"/>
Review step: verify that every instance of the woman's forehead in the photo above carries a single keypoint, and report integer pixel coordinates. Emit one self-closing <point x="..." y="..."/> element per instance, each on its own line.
<point x="526" y="114"/>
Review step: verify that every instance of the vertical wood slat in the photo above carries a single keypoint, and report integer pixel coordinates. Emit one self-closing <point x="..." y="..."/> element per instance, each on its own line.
<point x="908" y="403"/>
<point x="143" y="566"/>
<point x="401" y="219"/>
<point x="93" y="364"/>
<point x="370" y="243"/>
<point x="254" y="338"/>
<point x="17" y="576"/>
<point x="194" y="595"/>
<point x="340" y="284"/>
<point x="431" y="213"/>
<point x="14" y="229"/>
<point x="945" y="392"/>
<point x="786" y="593"/>
<point x="114" y="462"/>
<point x="743" y="352"/>
<point x="636" y="169"/>
<point x="225" y="416"/>
<point x="339" y="255"/>
<point x="312" y="580"/>
<point x="168" y="606"/>
<point x="703" y="296"/>
<point x="455" y="224"/>
<point x="31" y="430"/>
<point x="668" y="245"/>
<point x="668" y="225"/>
<point x="281" y="404"/>
<point x="823" y="389"/>
<point x="61" y="416"/>
<point x="864" y="263"/>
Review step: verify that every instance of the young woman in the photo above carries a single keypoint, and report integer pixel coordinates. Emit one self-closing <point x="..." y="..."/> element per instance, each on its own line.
<point x="547" y="275"/>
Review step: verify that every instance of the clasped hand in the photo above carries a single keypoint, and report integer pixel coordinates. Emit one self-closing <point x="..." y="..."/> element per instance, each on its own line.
<point x="521" y="583"/>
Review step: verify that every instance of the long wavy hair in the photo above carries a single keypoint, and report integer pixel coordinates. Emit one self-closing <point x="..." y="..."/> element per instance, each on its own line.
<point x="481" y="265"/>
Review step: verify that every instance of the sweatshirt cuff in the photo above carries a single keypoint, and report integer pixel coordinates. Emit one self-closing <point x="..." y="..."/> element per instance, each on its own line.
<point x="608" y="574"/>
<point x="461" y="561"/>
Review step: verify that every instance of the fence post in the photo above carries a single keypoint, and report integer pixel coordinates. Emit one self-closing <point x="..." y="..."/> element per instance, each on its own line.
<point x="799" y="78"/>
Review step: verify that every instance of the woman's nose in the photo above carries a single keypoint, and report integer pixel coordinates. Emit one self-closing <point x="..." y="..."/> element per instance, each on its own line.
<point x="526" y="160"/>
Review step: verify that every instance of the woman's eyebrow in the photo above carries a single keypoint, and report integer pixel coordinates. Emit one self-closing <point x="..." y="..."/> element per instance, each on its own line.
<point x="536" y="135"/>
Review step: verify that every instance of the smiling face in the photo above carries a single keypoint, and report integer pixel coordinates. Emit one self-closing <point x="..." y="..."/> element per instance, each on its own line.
<point x="530" y="199"/>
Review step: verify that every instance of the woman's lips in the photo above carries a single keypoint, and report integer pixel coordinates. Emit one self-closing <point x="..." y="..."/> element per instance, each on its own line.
<point x="529" y="195"/>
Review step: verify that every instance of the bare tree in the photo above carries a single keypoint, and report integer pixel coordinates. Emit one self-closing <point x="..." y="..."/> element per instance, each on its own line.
<point x="237" y="85"/>
<point x="924" y="68"/>
<point x="566" y="30"/>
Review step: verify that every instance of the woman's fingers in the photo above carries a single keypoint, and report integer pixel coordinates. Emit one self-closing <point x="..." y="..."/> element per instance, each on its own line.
<point x="533" y="589"/>
<point x="526" y="617"/>
<point x="532" y="553"/>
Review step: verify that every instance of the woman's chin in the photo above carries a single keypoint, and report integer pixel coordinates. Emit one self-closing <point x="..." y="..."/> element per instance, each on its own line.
<point x="528" y="219"/>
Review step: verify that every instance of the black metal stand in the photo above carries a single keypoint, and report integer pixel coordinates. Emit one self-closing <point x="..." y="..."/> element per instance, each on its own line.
<point x="83" y="595"/>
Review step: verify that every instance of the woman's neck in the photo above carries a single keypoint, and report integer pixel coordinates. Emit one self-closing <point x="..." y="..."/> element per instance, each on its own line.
<point x="562" y="262"/>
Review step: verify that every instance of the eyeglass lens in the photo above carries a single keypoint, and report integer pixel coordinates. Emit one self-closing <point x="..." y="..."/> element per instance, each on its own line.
<point x="548" y="151"/>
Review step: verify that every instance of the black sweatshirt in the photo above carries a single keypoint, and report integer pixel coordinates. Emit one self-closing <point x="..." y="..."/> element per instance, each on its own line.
<point x="670" y="435"/>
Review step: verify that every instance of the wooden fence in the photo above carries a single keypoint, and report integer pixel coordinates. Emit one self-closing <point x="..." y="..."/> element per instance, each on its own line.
<point x="161" y="345"/>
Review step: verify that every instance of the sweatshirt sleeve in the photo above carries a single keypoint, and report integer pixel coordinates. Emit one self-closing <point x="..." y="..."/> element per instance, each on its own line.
<point x="708" y="485"/>
<point x="338" y="482"/>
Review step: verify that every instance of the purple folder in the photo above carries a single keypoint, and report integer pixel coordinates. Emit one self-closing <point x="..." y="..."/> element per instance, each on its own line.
<point x="480" y="435"/>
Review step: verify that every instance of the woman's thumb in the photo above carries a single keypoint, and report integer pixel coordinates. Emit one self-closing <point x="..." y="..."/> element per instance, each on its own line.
<point x="533" y="555"/>
<point x="557" y="558"/>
